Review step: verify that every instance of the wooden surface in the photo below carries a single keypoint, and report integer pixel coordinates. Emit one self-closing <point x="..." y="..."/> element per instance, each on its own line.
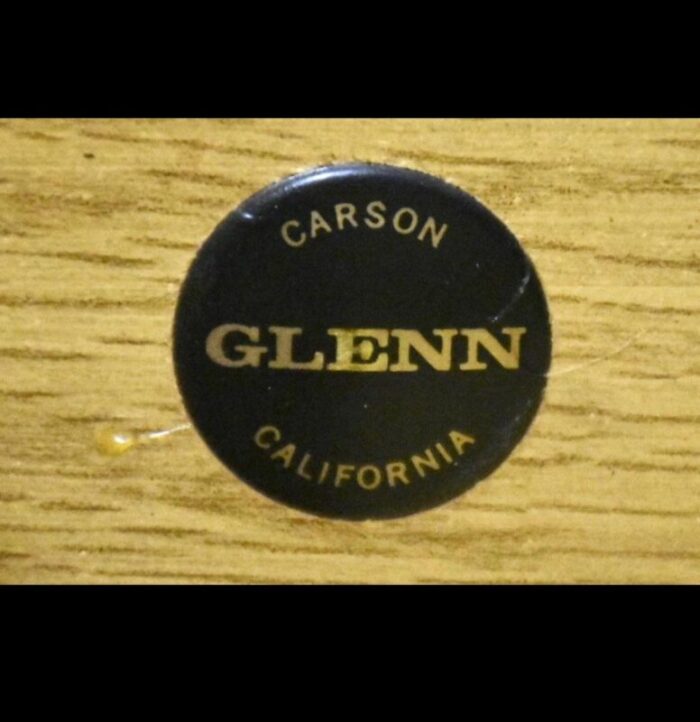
<point x="99" y="220"/>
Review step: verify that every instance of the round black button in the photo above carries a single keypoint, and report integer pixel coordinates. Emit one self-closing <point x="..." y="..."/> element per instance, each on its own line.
<point x="362" y="341"/>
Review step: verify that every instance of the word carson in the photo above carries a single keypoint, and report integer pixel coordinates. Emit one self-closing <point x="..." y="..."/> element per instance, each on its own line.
<point x="405" y="222"/>
<point x="361" y="349"/>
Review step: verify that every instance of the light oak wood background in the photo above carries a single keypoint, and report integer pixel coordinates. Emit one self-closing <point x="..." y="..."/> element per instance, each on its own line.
<point x="99" y="220"/>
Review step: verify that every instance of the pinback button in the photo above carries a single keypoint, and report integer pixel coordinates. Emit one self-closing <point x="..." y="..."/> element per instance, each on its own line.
<point x="362" y="341"/>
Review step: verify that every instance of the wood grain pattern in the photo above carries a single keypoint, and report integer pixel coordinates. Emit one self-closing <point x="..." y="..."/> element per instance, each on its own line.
<point x="99" y="220"/>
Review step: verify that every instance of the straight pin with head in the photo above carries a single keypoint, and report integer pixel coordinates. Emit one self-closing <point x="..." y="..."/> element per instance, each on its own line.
<point x="115" y="443"/>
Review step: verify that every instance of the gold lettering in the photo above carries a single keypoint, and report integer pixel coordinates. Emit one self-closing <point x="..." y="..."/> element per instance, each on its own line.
<point x="419" y="462"/>
<point x="439" y="360"/>
<point x="444" y="453"/>
<point x="366" y="349"/>
<point x="459" y="441"/>
<point x="405" y="221"/>
<point x="345" y="212"/>
<point x="293" y="242"/>
<point x="396" y="470"/>
<point x="251" y="354"/>
<point x="265" y="431"/>
<point x="373" y="471"/>
<point x="435" y="235"/>
<point x="405" y="230"/>
<point x="318" y="222"/>
<point x="509" y="359"/>
<point x="353" y="356"/>
<point x="286" y="453"/>
<point x="301" y="469"/>
<point x="324" y="472"/>
<point x="283" y="359"/>
<point x="375" y="210"/>
<point x="368" y="476"/>
<point x="342" y="473"/>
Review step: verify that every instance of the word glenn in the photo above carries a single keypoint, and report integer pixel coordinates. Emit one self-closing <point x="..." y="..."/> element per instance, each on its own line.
<point x="365" y="349"/>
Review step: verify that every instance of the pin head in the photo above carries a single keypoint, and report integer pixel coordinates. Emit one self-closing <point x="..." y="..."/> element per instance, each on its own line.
<point x="362" y="341"/>
<point x="114" y="443"/>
